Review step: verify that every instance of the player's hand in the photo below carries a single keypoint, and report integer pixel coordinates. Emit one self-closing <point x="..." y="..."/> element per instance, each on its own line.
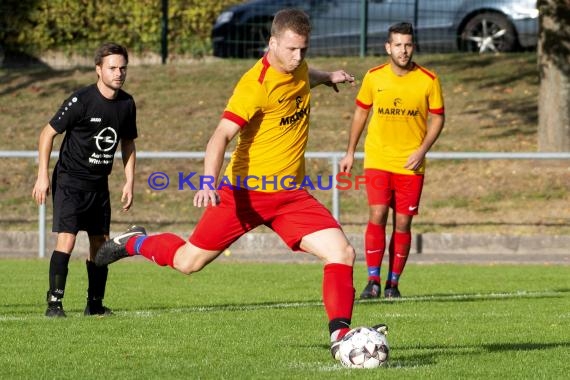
<point x="339" y="76"/>
<point x="415" y="160"/>
<point x="205" y="196"/>
<point x="345" y="164"/>
<point x="127" y="198"/>
<point x="41" y="190"/>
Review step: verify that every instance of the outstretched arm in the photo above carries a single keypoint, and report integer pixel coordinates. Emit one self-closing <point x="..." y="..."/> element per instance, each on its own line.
<point x="329" y="78"/>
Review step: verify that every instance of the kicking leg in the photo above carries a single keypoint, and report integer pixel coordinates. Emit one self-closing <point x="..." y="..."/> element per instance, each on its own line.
<point x="332" y="246"/>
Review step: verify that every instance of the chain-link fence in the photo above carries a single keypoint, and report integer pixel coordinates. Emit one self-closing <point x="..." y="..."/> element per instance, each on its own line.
<point x="352" y="27"/>
<point x="192" y="28"/>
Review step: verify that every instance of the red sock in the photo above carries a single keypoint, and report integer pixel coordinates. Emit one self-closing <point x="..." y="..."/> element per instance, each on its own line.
<point x="402" y="241"/>
<point x="159" y="248"/>
<point x="374" y="246"/>
<point x="391" y="255"/>
<point x="338" y="295"/>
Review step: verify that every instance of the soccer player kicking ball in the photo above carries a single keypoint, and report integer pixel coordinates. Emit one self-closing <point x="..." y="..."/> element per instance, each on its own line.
<point x="400" y="94"/>
<point x="269" y="109"/>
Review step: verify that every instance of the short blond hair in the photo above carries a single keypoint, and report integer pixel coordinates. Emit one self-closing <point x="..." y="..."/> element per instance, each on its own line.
<point x="291" y="19"/>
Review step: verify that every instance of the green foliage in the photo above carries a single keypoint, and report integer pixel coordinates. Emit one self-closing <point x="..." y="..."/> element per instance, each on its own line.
<point x="79" y="26"/>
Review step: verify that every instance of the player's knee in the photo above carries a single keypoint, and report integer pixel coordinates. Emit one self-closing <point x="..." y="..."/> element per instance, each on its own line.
<point x="378" y="215"/>
<point x="189" y="267"/>
<point x="190" y="260"/>
<point x="350" y="254"/>
<point x="340" y="254"/>
<point x="347" y="255"/>
<point x="65" y="242"/>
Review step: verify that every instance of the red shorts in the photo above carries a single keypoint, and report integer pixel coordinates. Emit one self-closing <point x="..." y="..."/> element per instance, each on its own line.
<point x="292" y="214"/>
<point x="402" y="192"/>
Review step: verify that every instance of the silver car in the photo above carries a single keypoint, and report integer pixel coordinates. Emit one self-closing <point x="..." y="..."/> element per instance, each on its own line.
<point x="351" y="27"/>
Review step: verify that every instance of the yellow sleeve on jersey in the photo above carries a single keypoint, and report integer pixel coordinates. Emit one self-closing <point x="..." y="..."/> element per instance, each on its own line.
<point x="249" y="97"/>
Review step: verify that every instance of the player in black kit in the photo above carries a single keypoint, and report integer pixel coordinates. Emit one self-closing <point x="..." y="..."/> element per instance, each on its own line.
<point x="94" y="120"/>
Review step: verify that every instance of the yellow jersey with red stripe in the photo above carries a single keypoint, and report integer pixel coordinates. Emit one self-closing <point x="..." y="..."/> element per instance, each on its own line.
<point x="272" y="109"/>
<point x="400" y="106"/>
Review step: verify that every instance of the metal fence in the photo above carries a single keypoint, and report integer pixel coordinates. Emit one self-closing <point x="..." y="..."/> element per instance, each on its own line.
<point x="332" y="157"/>
<point x="339" y="27"/>
<point x="359" y="27"/>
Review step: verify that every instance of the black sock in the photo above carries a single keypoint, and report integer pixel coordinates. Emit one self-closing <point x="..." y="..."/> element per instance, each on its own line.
<point x="97" y="277"/>
<point x="339" y="323"/>
<point x="58" y="268"/>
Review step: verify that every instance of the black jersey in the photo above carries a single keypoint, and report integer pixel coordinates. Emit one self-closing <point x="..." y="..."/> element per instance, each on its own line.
<point x="93" y="126"/>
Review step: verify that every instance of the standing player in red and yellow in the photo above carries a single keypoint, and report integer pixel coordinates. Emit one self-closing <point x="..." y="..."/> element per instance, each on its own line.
<point x="400" y="95"/>
<point x="269" y="111"/>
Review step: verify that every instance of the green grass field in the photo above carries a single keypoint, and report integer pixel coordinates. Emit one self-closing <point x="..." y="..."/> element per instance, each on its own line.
<point x="246" y="321"/>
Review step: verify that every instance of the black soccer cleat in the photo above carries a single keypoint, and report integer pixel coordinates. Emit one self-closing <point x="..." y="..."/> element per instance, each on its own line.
<point x="95" y="307"/>
<point x="55" y="310"/>
<point x="55" y="307"/>
<point x="392" y="292"/>
<point x="372" y="290"/>
<point x="115" y="249"/>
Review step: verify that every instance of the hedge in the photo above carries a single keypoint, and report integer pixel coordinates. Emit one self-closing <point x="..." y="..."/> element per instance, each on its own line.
<point x="79" y="26"/>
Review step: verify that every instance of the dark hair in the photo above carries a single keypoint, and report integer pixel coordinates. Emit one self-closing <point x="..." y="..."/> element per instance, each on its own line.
<point x="291" y="19"/>
<point x="401" y="28"/>
<point x="110" y="48"/>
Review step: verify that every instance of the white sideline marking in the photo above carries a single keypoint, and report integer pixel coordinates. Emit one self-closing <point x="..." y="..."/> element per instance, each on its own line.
<point x="293" y="305"/>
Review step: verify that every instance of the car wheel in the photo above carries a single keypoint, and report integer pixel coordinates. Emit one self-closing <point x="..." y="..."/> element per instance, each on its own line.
<point x="488" y="32"/>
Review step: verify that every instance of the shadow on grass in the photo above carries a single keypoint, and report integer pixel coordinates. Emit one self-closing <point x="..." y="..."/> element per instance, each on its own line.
<point x="36" y="76"/>
<point x="475" y="297"/>
<point x="318" y="303"/>
<point x="22" y="308"/>
<point x="419" y="360"/>
<point x="527" y="346"/>
<point x="415" y="360"/>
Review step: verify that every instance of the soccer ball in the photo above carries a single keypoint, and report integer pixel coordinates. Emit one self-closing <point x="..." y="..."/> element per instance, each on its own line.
<point x="364" y="347"/>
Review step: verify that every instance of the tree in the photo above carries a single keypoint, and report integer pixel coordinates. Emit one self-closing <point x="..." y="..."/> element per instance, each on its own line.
<point x="554" y="71"/>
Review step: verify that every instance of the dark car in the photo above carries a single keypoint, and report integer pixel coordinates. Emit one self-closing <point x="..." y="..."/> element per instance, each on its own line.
<point x="340" y="29"/>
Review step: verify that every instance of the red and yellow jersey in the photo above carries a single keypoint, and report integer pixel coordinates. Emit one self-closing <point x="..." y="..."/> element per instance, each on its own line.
<point x="400" y="106"/>
<point x="272" y="109"/>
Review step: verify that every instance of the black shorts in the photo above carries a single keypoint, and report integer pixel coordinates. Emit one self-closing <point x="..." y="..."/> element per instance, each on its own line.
<point x="77" y="210"/>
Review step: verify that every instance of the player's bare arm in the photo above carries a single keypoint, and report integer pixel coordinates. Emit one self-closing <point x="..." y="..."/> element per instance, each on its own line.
<point x="45" y="145"/>
<point x="358" y="123"/>
<point x="329" y="78"/>
<point x="215" y="150"/>
<point x="434" y="127"/>
<point x="128" y="152"/>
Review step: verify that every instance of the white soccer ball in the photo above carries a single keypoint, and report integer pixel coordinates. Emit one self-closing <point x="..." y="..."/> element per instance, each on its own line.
<point x="364" y="347"/>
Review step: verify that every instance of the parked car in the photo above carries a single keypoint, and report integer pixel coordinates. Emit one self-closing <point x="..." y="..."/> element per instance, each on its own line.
<point x="441" y="25"/>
